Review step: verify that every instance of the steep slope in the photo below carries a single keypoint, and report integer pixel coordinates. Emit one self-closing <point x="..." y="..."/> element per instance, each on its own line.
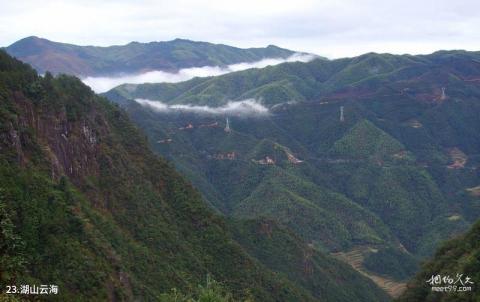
<point x="45" y="55"/>
<point x="283" y="252"/>
<point x="86" y="206"/>
<point x="324" y="218"/>
<point x="458" y="260"/>
<point x="366" y="141"/>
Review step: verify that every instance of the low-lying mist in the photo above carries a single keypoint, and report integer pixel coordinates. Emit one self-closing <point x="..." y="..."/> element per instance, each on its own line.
<point x="245" y="108"/>
<point x="103" y="84"/>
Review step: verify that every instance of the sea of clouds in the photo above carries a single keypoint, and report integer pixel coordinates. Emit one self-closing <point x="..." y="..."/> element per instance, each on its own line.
<point x="103" y="84"/>
<point x="248" y="107"/>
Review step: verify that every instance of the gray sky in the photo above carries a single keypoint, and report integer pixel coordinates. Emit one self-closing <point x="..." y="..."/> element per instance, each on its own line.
<point x="330" y="28"/>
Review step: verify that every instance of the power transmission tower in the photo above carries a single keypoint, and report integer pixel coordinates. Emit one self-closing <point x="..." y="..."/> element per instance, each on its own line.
<point x="227" y="127"/>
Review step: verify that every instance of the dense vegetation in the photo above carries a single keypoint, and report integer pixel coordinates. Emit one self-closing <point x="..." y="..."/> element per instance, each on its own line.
<point x="390" y="261"/>
<point x="86" y="206"/>
<point x="457" y="256"/>
<point x="134" y="57"/>
<point x="381" y="75"/>
<point x="365" y="141"/>
<point x="285" y="253"/>
<point x="212" y="291"/>
<point x="398" y="173"/>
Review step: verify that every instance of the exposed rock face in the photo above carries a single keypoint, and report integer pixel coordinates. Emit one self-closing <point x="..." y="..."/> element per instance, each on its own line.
<point x="72" y="146"/>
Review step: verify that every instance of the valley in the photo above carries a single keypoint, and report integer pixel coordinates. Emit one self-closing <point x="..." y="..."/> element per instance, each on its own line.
<point x="353" y="167"/>
<point x="85" y="205"/>
<point x="356" y="258"/>
<point x="239" y="151"/>
<point x="353" y="152"/>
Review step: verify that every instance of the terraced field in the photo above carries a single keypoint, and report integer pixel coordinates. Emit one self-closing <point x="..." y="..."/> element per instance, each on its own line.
<point x="475" y="191"/>
<point x="458" y="157"/>
<point x="356" y="257"/>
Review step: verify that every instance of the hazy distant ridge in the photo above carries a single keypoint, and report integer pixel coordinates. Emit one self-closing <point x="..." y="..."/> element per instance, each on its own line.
<point x="45" y="55"/>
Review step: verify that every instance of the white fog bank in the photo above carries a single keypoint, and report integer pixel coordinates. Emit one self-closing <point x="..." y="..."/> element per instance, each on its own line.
<point x="103" y="84"/>
<point x="248" y="107"/>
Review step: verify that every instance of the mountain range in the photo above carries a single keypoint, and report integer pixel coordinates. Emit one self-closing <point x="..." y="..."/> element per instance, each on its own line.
<point x="327" y="180"/>
<point x="373" y="157"/>
<point x="133" y="58"/>
<point x="86" y="206"/>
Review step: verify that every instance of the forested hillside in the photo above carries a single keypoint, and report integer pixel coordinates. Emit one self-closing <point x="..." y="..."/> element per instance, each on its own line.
<point x="457" y="260"/>
<point x="419" y="77"/>
<point x="86" y="206"/>
<point x="375" y="155"/>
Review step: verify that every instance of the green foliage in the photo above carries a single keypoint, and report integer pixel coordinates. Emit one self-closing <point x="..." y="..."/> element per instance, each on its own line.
<point x="323" y="217"/>
<point x="372" y="75"/>
<point x="86" y="206"/>
<point x="45" y="235"/>
<point x="379" y="178"/>
<point x="284" y="252"/>
<point x="12" y="248"/>
<point x="457" y="256"/>
<point x="391" y="262"/>
<point x="365" y="140"/>
<point x="213" y="291"/>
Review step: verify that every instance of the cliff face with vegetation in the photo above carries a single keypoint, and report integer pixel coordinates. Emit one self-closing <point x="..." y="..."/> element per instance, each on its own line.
<point x="92" y="210"/>
<point x="85" y="205"/>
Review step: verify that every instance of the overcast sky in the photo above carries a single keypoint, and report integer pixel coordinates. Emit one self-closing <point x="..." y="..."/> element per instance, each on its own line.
<point x="331" y="28"/>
